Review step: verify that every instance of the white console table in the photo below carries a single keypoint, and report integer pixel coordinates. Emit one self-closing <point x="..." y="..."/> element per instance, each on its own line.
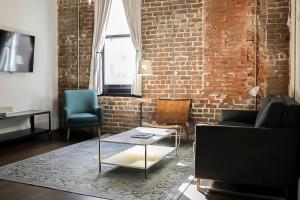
<point x="25" y="132"/>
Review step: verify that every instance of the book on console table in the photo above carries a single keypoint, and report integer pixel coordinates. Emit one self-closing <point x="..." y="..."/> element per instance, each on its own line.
<point x="4" y="114"/>
<point x="4" y="111"/>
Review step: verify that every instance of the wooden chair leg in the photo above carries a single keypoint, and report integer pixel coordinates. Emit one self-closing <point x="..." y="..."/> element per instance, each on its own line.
<point x="179" y="135"/>
<point x="187" y="133"/>
<point x="99" y="132"/>
<point x="68" y="134"/>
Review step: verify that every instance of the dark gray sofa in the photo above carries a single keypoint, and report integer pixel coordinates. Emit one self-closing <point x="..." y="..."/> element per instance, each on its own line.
<point x="250" y="147"/>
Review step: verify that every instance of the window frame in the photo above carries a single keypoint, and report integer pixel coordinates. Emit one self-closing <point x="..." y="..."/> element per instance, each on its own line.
<point x="114" y="90"/>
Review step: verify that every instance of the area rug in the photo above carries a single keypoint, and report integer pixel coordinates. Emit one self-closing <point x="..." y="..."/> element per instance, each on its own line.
<point x="75" y="169"/>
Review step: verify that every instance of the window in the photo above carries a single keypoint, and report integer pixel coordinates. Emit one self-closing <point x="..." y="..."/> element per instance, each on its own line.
<point x="119" y="55"/>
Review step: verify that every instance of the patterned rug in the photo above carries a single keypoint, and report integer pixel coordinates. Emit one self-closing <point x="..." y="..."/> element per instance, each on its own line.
<point x="75" y="169"/>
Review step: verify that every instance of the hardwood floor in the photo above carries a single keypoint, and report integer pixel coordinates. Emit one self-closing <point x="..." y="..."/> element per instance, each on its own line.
<point x="27" y="147"/>
<point x="14" y="191"/>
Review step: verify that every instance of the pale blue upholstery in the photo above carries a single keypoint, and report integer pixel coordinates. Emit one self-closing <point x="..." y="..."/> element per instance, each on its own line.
<point x="82" y="109"/>
<point x="83" y="118"/>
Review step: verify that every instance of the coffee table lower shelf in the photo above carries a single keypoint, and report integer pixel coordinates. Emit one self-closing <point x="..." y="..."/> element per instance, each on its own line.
<point x="134" y="157"/>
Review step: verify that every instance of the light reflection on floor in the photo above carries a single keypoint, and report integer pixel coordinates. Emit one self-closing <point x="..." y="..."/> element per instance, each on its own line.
<point x="192" y="193"/>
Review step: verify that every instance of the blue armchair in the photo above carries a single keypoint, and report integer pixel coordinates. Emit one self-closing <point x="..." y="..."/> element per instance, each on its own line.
<point x="82" y="110"/>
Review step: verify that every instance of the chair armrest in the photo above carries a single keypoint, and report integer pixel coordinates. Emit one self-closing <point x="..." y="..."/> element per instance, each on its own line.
<point x="244" y="155"/>
<point x="100" y="113"/>
<point x="243" y="116"/>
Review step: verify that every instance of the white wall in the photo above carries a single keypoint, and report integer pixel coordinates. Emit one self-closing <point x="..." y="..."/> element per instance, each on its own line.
<point x="37" y="90"/>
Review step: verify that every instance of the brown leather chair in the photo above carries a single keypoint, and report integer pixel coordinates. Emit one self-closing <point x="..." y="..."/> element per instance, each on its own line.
<point x="172" y="113"/>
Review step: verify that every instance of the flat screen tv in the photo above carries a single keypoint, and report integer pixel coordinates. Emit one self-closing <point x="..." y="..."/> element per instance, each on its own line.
<point x="16" y="52"/>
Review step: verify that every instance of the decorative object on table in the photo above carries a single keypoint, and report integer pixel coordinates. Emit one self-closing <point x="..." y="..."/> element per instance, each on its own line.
<point x="75" y="169"/>
<point x="4" y="110"/>
<point x="82" y="110"/>
<point x="144" y="154"/>
<point x="269" y="136"/>
<point x="172" y="114"/>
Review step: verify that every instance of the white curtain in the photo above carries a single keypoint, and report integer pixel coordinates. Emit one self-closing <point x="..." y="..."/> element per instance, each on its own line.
<point x="101" y="14"/>
<point x="133" y="10"/>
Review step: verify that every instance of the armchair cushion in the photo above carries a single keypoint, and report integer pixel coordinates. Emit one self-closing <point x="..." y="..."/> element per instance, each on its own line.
<point x="81" y="101"/>
<point x="270" y="113"/>
<point x="232" y="123"/>
<point x="240" y="116"/>
<point x="292" y="114"/>
<point x="83" y="118"/>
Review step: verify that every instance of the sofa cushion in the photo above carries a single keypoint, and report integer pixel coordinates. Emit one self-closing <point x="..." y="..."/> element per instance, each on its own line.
<point x="232" y="123"/>
<point x="83" y="118"/>
<point x="270" y="113"/>
<point x="291" y="115"/>
<point x="263" y="107"/>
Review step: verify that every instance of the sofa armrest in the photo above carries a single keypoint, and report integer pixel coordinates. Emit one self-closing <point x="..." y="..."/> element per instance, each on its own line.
<point x="243" y="155"/>
<point x="243" y="116"/>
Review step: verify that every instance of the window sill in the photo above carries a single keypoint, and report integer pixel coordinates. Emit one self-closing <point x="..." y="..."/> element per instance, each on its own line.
<point x="119" y="95"/>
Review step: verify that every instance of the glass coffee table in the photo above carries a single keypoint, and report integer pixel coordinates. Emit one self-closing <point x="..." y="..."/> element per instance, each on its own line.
<point x="144" y="154"/>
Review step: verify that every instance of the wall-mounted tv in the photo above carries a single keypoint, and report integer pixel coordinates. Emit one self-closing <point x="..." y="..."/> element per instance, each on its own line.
<point x="16" y="52"/>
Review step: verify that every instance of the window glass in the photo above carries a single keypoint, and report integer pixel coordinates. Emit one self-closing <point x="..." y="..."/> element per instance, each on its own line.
<point x="119" y="56"/>
<point x="119" y="59"/>
<point x="117" y="22"/>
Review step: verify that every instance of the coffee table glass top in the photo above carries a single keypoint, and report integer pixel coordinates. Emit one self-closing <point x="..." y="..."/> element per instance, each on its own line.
<point x="125" y="137"/>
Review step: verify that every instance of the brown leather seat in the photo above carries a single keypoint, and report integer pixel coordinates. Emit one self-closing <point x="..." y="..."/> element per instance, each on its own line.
<point x="172" y="113"/>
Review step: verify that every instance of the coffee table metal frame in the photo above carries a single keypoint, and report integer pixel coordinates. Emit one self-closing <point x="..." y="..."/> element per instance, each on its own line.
<point x="135" y="153"/>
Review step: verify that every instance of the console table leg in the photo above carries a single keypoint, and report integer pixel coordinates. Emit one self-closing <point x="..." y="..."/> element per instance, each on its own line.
<point x="49" y="125"/>
<point x="32" y="126"/>
<point x="99" y="156"/>
<point x="145" y="161"/>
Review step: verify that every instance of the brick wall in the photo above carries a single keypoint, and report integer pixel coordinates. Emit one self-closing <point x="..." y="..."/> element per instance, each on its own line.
<point x="67" y="43"/>
<point x="200" y="49"/>
<point x="277" y="47"/>
<point x="229" y="55"/>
